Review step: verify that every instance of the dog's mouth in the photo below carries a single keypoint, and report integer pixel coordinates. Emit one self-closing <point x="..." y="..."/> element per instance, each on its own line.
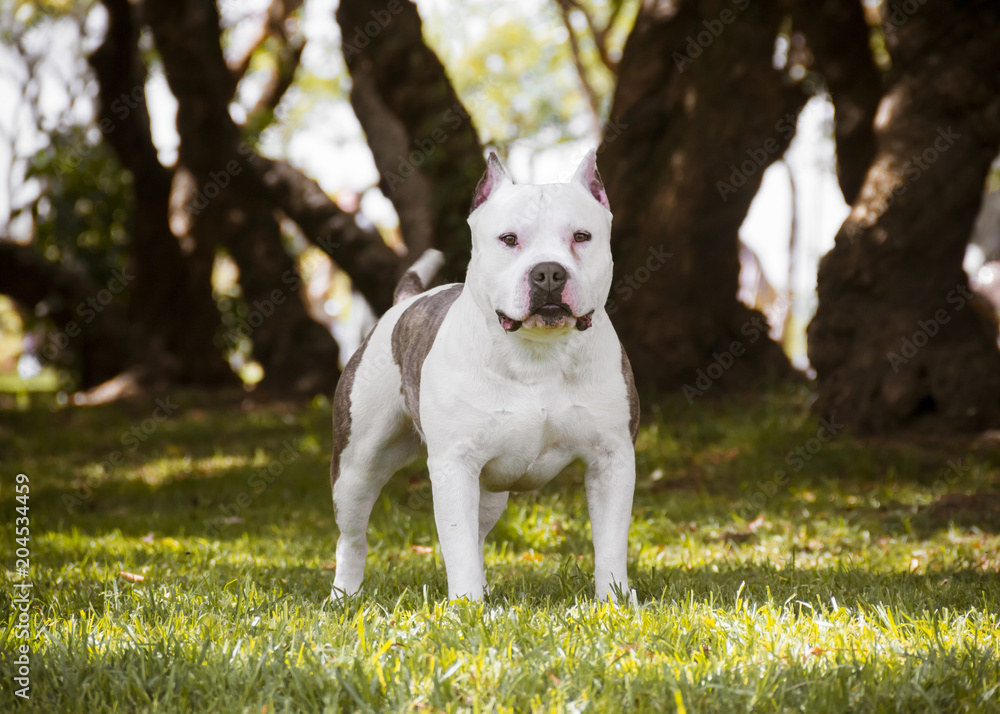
<point x="552" y="312"/>
<point x="549" y="315"/>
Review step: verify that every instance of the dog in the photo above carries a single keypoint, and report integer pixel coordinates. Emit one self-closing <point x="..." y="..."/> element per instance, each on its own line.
<point x="504" y="379"/>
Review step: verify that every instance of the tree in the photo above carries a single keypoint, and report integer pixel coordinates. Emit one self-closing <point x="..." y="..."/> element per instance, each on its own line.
<point x="221" y="194"/>
<point x="425" y="146"/>
<point x="698" y="114"/>
<point x="837" y="34"/>
<point x="898" y="340"/>
<point x="174" y="317"/>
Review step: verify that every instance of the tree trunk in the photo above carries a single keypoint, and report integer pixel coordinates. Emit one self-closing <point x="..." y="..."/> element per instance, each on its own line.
<point x="898" y="342"/>
<point x="692" y="128"/>
<point x="227" y="203"/>
<point x="174" y="318"/>
<point x="425" y="146"/>
<point x="838" y="35"/>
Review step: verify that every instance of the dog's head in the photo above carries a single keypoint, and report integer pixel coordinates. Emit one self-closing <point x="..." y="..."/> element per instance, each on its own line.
<point x="541" y="254"/>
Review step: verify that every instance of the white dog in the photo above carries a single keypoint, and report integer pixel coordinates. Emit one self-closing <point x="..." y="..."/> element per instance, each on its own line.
<point x="506" y="379"/>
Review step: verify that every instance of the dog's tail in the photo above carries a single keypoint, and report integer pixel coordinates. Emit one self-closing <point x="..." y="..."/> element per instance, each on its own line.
<point x="415" y="280"/>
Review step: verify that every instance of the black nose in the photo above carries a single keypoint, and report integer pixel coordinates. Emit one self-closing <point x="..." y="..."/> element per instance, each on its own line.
<point x="550" y="276"/>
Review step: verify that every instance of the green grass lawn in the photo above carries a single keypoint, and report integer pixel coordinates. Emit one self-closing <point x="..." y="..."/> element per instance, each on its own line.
<point x="773" y="571"/>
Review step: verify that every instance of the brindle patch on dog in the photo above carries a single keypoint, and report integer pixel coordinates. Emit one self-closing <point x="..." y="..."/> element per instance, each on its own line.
<point x="412" y="338"/>
<point x="633" y="396"/>
<point x="342" y="410"/>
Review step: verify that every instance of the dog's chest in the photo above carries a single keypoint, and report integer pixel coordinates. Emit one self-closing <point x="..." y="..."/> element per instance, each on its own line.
<point x="533" y="437"/>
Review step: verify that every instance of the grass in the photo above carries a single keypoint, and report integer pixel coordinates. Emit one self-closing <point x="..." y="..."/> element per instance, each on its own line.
<point x="865" y="579"/>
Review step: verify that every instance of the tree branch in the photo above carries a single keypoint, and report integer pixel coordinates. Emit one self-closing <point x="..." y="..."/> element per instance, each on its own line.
<point x="362" y="253"/>
<point x="581" y="71"/>
<point x="600" y="34"/>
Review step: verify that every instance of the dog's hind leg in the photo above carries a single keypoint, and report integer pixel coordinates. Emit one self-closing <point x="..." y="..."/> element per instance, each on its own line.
<point x="363" y="472"/>
<point x="372" y="438"/>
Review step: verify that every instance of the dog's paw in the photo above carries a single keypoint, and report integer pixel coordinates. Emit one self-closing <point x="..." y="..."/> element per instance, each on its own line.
<point x="338" y="594"/>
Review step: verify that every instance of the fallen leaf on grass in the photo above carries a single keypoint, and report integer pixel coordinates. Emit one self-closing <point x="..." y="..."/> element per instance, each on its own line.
<point x="745" y="535"/>
<point x="132" y="577"/>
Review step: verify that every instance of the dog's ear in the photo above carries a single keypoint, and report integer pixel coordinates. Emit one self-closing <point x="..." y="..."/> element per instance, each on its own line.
<point x="588" y="177"/>
<point x="494" y="177"/>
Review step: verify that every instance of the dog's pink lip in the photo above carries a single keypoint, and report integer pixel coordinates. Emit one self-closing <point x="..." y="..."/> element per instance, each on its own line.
<point x="509" y="324"/>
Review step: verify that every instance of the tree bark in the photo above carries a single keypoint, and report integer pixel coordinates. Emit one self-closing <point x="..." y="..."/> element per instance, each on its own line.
<point x="228" y="204"/>
<point x="691" y="132"/>
<point x="174" y="318"/>
<point x="897" y="342"/>
<point x="425" y="146"/>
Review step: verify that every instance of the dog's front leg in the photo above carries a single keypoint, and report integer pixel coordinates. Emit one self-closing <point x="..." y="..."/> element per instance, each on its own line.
<point x="610" y="484"/>
<point x="455" y="488"/>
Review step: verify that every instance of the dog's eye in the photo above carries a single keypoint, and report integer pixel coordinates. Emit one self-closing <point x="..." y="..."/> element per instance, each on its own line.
<point x="509" y="239"/>
<point x="581" y="236"/>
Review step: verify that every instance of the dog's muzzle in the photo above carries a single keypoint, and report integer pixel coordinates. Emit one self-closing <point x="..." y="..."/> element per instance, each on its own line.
<point x="550" y="314"/>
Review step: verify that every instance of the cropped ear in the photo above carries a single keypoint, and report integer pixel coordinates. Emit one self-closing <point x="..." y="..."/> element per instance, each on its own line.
<point x="494" y="177"/>
<point x="588" y="177"/>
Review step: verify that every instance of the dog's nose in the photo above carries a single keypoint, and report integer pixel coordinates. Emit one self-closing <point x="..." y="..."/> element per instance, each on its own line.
<point x="548" y="276"/>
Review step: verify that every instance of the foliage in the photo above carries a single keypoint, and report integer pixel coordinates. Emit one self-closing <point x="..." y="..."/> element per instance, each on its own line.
<point x="81" y="219"/>
<point x="516" y="74"/>
<point x="867" y="581"/>
<point x="22" y="15"/>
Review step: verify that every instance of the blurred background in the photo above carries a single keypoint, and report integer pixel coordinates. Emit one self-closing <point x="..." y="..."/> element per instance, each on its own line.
<point x="222" y="195"/>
